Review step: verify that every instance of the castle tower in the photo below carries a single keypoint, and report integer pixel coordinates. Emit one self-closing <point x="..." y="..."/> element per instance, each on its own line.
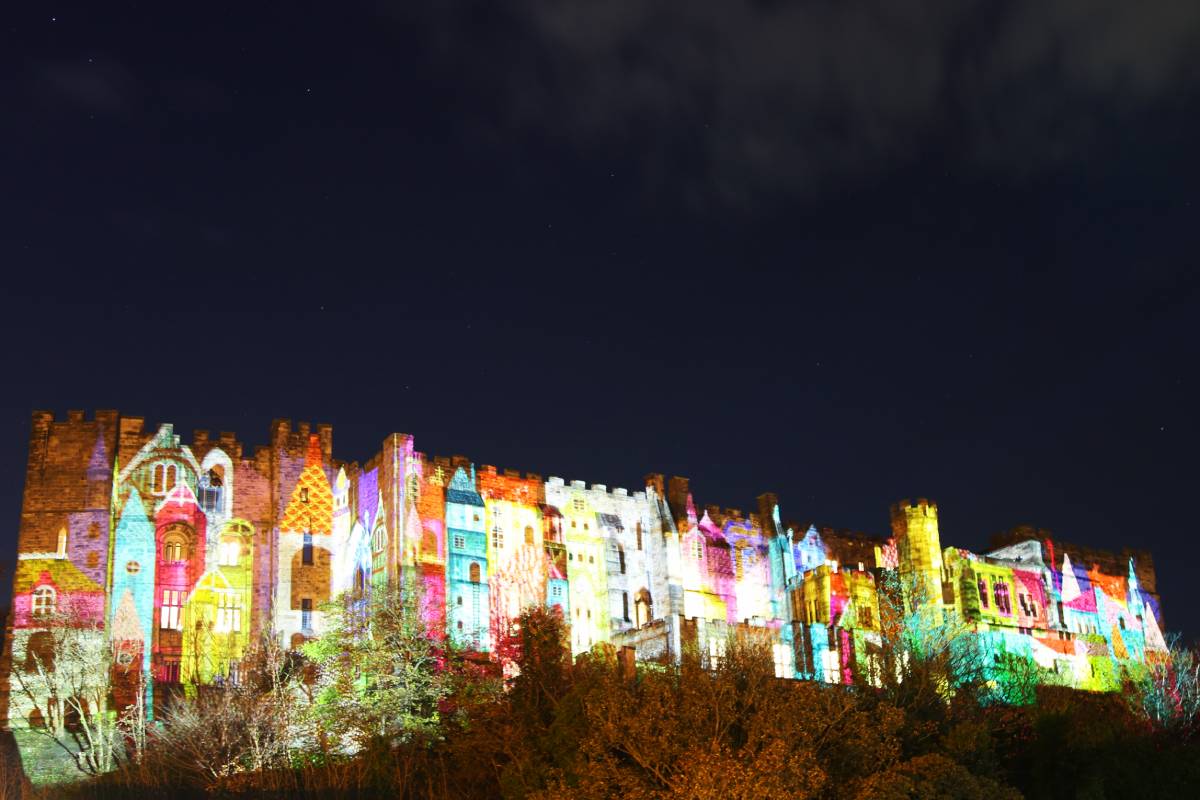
<point x="919" y="547"/>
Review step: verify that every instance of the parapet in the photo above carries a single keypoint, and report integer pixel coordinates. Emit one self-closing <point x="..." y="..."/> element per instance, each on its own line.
<point x="45" y="418"/>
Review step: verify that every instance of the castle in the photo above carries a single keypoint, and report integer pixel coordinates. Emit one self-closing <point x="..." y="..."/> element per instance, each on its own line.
<point x="182" y="554"/>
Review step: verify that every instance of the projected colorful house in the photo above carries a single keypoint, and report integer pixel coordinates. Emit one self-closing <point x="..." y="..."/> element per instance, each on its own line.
<point x="182" y="555"/>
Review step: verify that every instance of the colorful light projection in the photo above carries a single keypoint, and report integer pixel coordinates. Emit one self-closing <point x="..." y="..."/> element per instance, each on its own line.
<point x="207" y="553"/>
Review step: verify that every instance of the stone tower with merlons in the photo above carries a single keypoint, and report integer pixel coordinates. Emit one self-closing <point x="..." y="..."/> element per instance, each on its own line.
<point x="919" y="552"/>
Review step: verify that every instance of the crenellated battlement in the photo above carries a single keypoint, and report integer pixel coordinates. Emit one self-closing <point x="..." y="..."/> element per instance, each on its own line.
<point x="620" y="563"/>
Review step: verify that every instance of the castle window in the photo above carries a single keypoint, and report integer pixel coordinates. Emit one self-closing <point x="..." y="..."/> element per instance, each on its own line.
<point x="497" y="537"/>
<point x="621" y="560"/>
<point x="983" y="592"/>
<point x="158" y="481"/>
<point x="474" y="572"/>
<point x="39" y="650"/>
<point x="62" y="542"/>
<point x="1000" y="592"/>
<point x="211" y="487"/>
<point x="379" y="539"/>
<point x="229" y="613"/>
<point x="306" y="556"/>
<point x="227" y="553"/>
<point x="459" y="601"/>
<point x="45" y="601"/>
<point x="173" y="549"/>
<point x="865" y="617"/>
<point x="698" y="548"/>
<point x="306" y="614"/>
<point x="639" y="535"/>
<point x="172" y="476"/>
<point x="459" y="623"/>
<point x="578" y="504"/>
<point x="460" y="542"/>
<point x="169" y="613"/>
<point x="642" y="608"/>
<point x="585" y="526"/>
<point x="529" y="535"/>
<point x="303" y="494"/>
<point x="625" y="606"/>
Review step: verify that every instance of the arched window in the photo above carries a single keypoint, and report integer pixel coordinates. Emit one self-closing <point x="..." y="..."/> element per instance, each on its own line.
<point x="529" y="535"/>
<point x="379" y="539"/>
<point x="45" y="601"/>
<point x="642" y="608"/>
<point x="172" y="476"/>
<point x="62" y="541"/>
<point x="39" y="651"/>
<point x="159" y="481"/>
<point x="429" y="544"/>
<point x="983" y="592"/>
<point x="173" y="548"/>
<point x="474" y="572"/>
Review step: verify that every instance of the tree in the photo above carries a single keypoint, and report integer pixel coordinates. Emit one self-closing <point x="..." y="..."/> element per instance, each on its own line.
<point x="65" y="681"/>
<point x="928" y="651"/>
<point x="382" y="671"/>
<point x="1167" y="693"/>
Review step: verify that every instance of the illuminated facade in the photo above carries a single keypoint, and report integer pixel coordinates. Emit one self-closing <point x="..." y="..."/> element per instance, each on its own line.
<point x="183" y="554"/>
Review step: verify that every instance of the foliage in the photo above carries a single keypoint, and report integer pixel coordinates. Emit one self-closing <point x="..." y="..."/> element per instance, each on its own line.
<point x="382" y="670"/>
<point x="927" y="653"/>
<point x="66" y="679"/>
<point x="1167" y="693"/>
<point x="602" y="728"/>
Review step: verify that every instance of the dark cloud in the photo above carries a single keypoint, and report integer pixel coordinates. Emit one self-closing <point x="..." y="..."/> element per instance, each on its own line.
<point x="91" y="84"/>
<point x="736" y="100"/>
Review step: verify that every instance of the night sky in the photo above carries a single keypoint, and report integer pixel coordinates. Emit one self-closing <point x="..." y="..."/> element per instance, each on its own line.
<point x="849" y="252"/>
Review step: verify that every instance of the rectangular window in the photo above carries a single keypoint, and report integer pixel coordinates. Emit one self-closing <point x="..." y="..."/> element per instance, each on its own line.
<point x="460" y="542"/>
<point x="229" y="613"/>
<point x="228" y="553"/>
<point x="307" y="556"/>
<point x="169" y="613"/>
<point x="306" y="613"/>
<point x="625" y="606"/>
